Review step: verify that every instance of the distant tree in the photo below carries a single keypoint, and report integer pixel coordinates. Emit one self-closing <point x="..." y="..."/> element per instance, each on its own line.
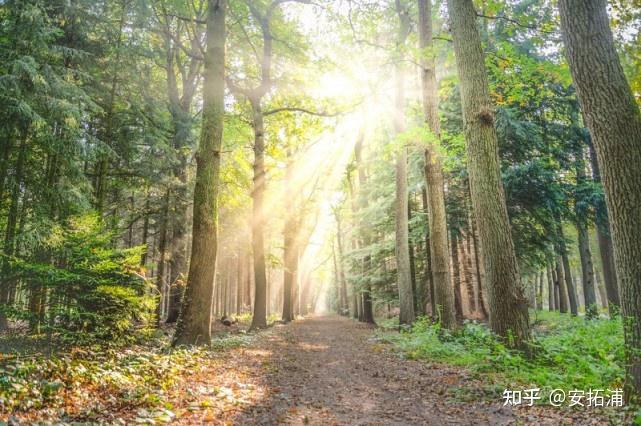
<point x="406" y="296"/>
<point x="437" y="222"/>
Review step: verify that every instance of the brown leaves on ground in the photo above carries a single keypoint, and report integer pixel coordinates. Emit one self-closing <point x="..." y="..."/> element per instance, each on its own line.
<point x="329" y="371"/>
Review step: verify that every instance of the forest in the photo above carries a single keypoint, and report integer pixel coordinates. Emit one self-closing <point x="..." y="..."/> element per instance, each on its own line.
<point x="320" y="212"/>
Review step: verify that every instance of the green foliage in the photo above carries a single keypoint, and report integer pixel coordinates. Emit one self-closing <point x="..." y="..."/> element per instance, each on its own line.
<point x="570" y="353"/>
<point x="95" y="291"/>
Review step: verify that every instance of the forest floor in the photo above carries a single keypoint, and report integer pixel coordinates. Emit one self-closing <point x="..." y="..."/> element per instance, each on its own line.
<point x="325" y="370"/>
<point x="331" y="370"/>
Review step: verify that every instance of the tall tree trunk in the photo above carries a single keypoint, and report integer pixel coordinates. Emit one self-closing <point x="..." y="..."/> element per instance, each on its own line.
<point x="225" y="282"/>
<point x="194" y="324"/>
<point x="602" y="291"/>
<point x="417" y="306"/>
<point x="162" y="257"/>
<point x="480" y="275"/>
<point x="530" y="290"/>
<point x="239" y="283"/>
<point x="456" y="276"/>
<point x="368" y="309"/>
<point x="259" y="320"/>
<point x="337" y="283"/>
<point x="559" y="284"/>
<point x="406" y="298"/>
<point x="145" y="230"/>
<point x="102" y="167"/>
<point x="344" y="307"/>
<point x="290" y="254"/>
<point x="567" y="272"/>
<point x="4" y="164"/>
<point x="180" y="109"/>
<point x="437" y="223"/>
<point x="606" y="250"/>
<point x="428" y="296"/>
<point x="539" y="293"/>
<point x="467" y="273"/>
<point x="508" y="306"/>
<point x="551" y="299"/>
<point x="177" y="260"/>
<point x="587" y="269"/>
<point x="7" y="282"/>
<point x="290" y="269"/>
<point x="613" y="118"/>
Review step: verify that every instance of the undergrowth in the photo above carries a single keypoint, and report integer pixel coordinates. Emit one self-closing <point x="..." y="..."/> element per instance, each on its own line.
<point x="102" y="380"/>
<point x="572" y="353"/>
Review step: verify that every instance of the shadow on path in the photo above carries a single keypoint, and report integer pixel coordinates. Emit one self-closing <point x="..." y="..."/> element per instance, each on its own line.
<point x="328" y="370"/>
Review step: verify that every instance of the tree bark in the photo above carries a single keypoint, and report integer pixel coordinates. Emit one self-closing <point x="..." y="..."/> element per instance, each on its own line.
<point x="367" y="305"/>
<point x="162" y="257"/>
<point x="7" y="283"/>
<point x="406" y="298"/>
<point x="341" y="265"/>
<point x="467" y="274"/>
<point x="539" y="293"/>
<point x="429" y="282"/>
<point x="567" y="272"/>
<point x="259" y="319"/>
<point x="194" y="324"/>
<point x="559" y="284"/>
<point x="456" y="276"/>
<point x="551" y="299"/>
<point x="508" y="306"/>
<point x="602" y="291"/>
<point x="437" y="221"/>
<point x="480" y="275"/>
<point x="102" y="167"/>
<point x="180" y="102"/>
<point x="604" y="239"/>
<point x="290" y="253"/>
<point x="613" y="118"/>
<point x="587" y="269"/>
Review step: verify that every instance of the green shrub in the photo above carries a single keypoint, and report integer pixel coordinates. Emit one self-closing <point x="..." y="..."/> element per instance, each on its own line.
<point x="91" y="291"/>
<point x="572" y="353"/>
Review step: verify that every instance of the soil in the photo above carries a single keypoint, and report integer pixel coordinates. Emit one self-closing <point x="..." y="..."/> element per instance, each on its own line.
<point x="331" y="370"/>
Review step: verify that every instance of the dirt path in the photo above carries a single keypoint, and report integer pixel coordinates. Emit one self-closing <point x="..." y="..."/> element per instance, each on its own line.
<point x="324" y="370"/>
<point x="329" y="371"/>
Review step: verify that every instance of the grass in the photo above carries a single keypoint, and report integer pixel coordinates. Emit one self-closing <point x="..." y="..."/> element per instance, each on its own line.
<point x="572" y="353"/>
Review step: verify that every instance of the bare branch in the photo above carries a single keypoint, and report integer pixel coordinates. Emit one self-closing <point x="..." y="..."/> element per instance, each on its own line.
<point x="187" y="19"/>
<point x="356" y="39"/>
<point x="303" y="110"/>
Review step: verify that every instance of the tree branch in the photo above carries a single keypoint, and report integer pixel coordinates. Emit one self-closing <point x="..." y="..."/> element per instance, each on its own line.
<point x="514" y="21"/>
<point x="303" y="110"/>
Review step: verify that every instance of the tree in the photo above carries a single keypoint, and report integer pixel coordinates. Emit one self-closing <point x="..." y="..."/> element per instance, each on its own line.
<point x="366" y="293"/>
<point x="581" y="211"/>
<point x="437" y="222"/>
<point x="613" y="118"/>
<point x="406" y="296"/>
<point x="290" y="249"/>
<point x="194" y="324"/>
<point x="183" y="67"/>
<point x="605" y="241"/>
<point x="507" y="303"/>
<point x="256" y="95"/>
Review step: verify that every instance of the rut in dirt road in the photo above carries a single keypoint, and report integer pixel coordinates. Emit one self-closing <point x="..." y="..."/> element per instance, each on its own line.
<point x="330" y="370"/>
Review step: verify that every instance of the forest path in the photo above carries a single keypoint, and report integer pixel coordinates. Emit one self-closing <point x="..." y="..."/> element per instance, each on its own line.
<point x="329" y="370"/>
